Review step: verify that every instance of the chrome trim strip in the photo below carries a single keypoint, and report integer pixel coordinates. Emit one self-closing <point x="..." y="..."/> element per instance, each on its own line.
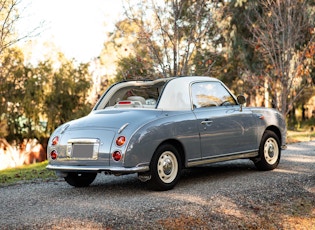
<point x="70" y="168"/>
<point x="223" y="158"/>
<point x="122" y="128"/>
<point x="84" y="140"/>
<point x="64" y="128"/>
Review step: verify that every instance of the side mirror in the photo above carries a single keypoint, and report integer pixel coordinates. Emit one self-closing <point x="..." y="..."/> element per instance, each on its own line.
<point x="241" y="100"/>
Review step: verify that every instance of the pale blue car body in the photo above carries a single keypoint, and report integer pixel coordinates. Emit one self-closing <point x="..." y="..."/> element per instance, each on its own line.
<point x="201" y="135"/>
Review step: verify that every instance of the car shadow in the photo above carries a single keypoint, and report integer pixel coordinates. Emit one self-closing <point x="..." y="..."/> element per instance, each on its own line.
<point x="131" y="183"/>
<point x="218" y="171"/>
<point x="120" y="184"/>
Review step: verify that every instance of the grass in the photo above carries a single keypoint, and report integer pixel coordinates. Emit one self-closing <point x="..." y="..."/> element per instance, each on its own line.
<point x="301" y="131"/>
<point x="26" y="173"/>
<point x="300" y="136"/>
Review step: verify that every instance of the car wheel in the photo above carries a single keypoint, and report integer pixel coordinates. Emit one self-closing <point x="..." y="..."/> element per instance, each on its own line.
<point x="269" y="152"/>
<point x="165" y="168"/>
<point x="80" y="179"/>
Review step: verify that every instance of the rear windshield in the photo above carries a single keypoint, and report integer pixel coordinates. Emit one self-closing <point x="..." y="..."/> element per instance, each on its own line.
<point x="132" y="95"/>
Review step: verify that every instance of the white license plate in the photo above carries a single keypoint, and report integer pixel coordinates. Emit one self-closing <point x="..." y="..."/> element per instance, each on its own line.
<point x="83" y="148"/>
<point x="82" y="151"/>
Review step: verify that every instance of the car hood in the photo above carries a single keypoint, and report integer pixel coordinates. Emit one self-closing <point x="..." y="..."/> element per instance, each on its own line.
<point x="114" y="119"/>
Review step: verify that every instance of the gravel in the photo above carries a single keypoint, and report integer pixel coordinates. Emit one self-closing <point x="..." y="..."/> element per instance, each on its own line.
<point x="230" y="195"/>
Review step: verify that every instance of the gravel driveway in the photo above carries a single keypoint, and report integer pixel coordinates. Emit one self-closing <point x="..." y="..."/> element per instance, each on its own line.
<point x="231" y="195"/>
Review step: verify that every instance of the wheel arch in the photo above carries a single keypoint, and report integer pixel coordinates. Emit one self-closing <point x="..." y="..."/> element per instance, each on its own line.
<point x="277" y="131"/>
<point x="179" y="146"/>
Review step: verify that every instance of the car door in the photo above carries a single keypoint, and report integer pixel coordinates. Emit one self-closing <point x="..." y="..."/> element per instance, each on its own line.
<point x="223" y="128"/>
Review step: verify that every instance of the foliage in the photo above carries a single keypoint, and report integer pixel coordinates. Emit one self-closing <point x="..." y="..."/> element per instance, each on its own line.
<point x="265" y="48"/>
<point x="66" y="99"/>
<point x="24" y="88"/>
<point x="134" y="67"/>
<point x="274" y="44"/>
<point x="135" y="62"/>
<point x="270" y="55"/>
<point x="171" y="37"/>
<point x="13" y="75"/>
<point x="34" y="100"/>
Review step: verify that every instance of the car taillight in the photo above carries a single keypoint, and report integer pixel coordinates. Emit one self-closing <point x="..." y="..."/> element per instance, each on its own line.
<point x="55" y="140"/>
<point x="120" y="140"/>
<point x="53" y="154"/>
<point x="117" y="156"/>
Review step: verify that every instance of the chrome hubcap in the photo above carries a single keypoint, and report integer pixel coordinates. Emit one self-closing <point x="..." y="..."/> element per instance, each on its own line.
<point x="167" y="167"/>
<point x="271" y="151"/>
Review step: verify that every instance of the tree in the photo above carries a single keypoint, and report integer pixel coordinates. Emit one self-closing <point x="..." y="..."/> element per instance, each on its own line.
<point x="135" y="67"/>
<point x="32" y="96"/>
<point x="128" y="53"/>
<point x="9" y="17"/>
<point x="10" y="85"/>
<point x="283" y="33"/>
<point x="12" y="91"/>
<point x="66" y="99"/>
<point x="22" y="94"/>
<point x="173" y="30"/>
<point x="36" y="88"/>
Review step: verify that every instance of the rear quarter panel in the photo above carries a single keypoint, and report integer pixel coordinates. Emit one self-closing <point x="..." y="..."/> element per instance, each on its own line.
<point x="170" y="126"/>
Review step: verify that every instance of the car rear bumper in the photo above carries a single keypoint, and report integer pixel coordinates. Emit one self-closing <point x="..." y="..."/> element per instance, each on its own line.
<point x="98" y="169"/>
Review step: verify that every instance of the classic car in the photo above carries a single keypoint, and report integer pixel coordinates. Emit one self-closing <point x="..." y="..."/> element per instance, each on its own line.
<point x="156" y="128"/>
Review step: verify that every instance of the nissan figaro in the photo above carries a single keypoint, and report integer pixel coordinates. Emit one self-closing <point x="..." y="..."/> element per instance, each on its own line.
<point x="156" y="128"/>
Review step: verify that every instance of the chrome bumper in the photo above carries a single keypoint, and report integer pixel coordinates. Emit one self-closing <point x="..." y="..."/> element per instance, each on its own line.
<point x="114" y="170"/>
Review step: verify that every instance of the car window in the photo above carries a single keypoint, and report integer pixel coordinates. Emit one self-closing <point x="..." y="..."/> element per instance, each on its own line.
<point x="208" y="94"/>
<point x="146" y="95"/>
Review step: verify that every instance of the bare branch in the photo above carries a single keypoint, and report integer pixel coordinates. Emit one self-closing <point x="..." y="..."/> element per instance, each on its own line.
<point x="278" y="29"/>
<point x="9" y="17"/>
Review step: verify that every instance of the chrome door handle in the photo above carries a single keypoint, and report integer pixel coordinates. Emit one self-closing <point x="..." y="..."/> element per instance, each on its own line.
<point x="206" y="122"/>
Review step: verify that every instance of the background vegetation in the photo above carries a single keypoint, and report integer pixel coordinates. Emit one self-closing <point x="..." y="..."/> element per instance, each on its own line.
<point x="264" y="49"/>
